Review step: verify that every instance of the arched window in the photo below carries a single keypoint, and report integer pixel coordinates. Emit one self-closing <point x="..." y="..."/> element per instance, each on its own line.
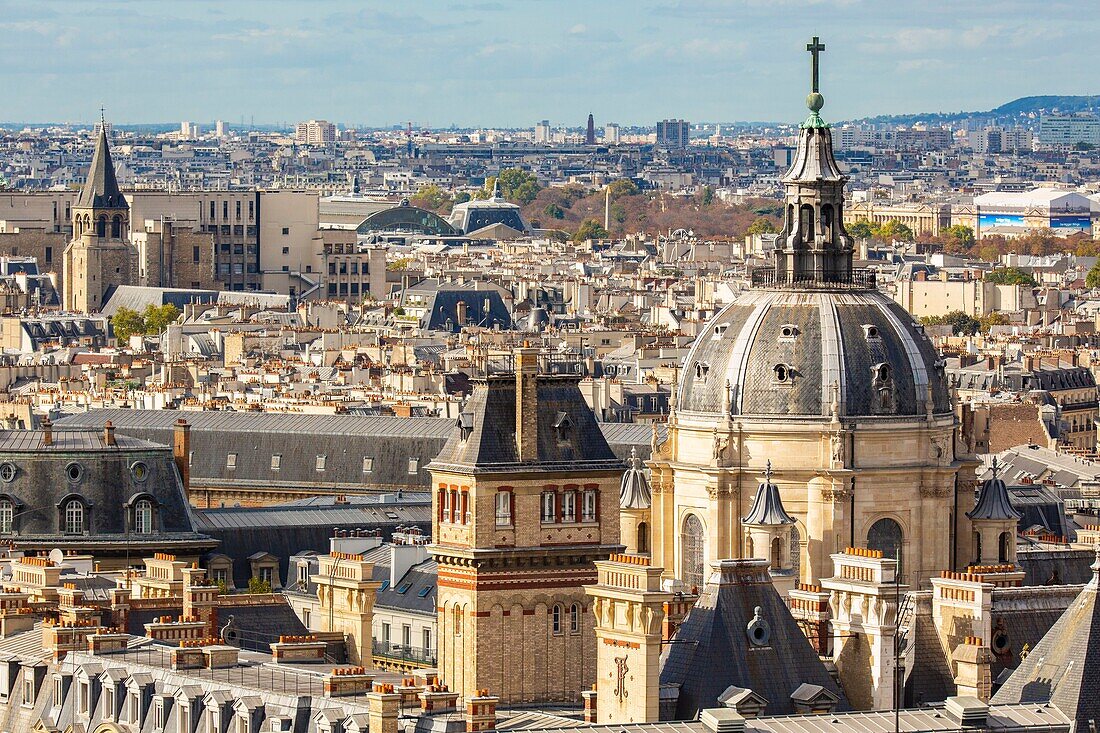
<point x="7" y="516"/>
<point x="555" y="619"/>
<point x="886" y="535"/>
<point x="1003" y="549"/>
<point x="116" y="227"/>
<point x="796" y="551"/>
<point x="643" y="537"/>
<point x="101" y="227"/>
<point x="458" y="621"/>
<point x="143" y="516"/>
<point x="977" y="547"/>
<point x="73" y="517"/>
<point x="691" y="551"/>
<point x="777" y="554"/>
<point x="574" y="619"/>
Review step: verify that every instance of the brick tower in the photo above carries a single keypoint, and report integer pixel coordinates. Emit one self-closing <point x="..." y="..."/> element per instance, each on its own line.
<point x="525" y="501"/>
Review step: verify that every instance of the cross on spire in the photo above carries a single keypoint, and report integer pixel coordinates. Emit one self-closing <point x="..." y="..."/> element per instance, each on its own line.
<point x="768" y="472"/>
<point x="815" y="48"/>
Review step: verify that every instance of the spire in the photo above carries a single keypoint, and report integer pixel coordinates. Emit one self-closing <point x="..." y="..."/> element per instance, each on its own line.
<point x="814" y="248"/>
<point x="101" y="190"/>
<point x="993" y="502"/>
<point x="767" y="507"/>
<point x="634" y="490"/>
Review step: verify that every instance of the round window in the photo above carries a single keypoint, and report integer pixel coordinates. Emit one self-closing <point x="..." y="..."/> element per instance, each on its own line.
<point x="74" y="472"/>
<point x="759" y="631"/>
<point x="139" y="471"/>
<point x="1000" y="642"/>
<point x="7" y="472"/>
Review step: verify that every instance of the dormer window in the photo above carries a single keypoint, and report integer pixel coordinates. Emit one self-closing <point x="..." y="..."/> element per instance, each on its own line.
<point x="782" y="374"/>
<point x="788" y="332"/>
<point x="701" y="369"/>
<point x="719" y="331"/>
<point x="882" y="372"/>
<point x="870" y="332"/>
<point x="563" y="424"/>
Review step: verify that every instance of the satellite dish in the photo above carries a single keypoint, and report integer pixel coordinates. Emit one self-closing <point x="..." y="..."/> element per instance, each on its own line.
<point x="57" y="556"/>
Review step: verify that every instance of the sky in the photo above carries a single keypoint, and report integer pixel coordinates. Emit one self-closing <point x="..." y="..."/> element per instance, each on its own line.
<point x="513" y="62"/>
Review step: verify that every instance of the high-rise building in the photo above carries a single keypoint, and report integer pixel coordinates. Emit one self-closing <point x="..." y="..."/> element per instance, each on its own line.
<point x="315" y="132"/>
<point x="590" y="133"/>
<point x="1068" y="130"/>
<point x="673" y="133"/>
<point x="219" y="129"/>
<point x="542" y="132"/>
<point x="189" y="130"/>
<point x="611" y="133"/>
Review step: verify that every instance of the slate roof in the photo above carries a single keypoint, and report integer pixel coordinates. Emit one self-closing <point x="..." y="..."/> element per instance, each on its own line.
<point x="344" y="439"/>
<point x="1063" y="668"/>
<point x="993" y="502"/>
<point x="712" y="649"/>
<point x="821" y="338"/>
<point x="101" y="190"/>
<point x="568" y="435"/>
<point x="767" y="506"/>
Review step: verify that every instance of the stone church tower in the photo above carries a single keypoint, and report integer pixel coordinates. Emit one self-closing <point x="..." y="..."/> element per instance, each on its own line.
<point x="99" y="255"/>
<point x="525" y="501"/>
<point x="815" y="369"/>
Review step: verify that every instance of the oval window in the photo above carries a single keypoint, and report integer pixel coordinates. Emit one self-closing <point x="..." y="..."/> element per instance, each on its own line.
<point x="74" y="472"/>
<point x="139" y="471"/>
<point x="7" y="472"/>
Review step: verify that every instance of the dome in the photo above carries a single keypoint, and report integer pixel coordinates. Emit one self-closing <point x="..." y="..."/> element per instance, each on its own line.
<point x="795" y="351"/>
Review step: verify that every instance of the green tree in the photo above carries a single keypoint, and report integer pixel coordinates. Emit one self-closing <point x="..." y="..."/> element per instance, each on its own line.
<point x="516" y="184"/>
<point x="462" y="197"/>
<point x="590" y="229"/>
<point x="990" y="320"/>
<point x="959" y="237"/>
<point x="432" y="198"/>
<point x="127" y="322"/>
<point x="762" y="226"/>
<point x="157" y="318"/>
<point x="707" y="197"/>
<point x="1092" y="280"/>
<point x="554" y="211"/>
<point x="623" y="187"/>
<point x="1010" y="276"/>
<point x="255" y="585"/>
<point x="894" y="230"/>
<point x="861" y="229"/>
<point x="961" y="324"/>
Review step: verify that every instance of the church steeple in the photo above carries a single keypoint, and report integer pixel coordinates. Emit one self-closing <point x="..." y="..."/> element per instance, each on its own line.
<point x="814" y="246"/>
<point x="101" y="190"/>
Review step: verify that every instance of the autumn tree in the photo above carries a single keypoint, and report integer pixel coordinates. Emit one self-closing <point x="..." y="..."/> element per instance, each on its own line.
<point x="1092" y="280"/>
<point x="590" y="229"/>
<point x="1010" y="276"/>
<point x="126" y="322"/>
<point x="762" y="226"/>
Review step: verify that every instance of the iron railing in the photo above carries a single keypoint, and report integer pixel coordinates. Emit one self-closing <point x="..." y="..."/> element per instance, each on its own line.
<point x="402" y="653"/>
<point x="856" y="279"/>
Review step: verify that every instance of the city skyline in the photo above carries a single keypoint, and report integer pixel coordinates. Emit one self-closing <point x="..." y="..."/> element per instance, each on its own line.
<point x="508" y="64"/>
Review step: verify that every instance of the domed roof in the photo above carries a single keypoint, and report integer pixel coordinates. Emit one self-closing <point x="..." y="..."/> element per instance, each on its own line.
<point x="798" y="351"/>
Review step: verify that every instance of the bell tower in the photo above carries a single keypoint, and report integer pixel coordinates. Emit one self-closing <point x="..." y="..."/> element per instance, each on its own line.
<point x="99" y="256"/>
<point x="814" y="246"/>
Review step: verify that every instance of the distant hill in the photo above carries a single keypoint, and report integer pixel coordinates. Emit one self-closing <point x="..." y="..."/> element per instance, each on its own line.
<point x="1017" y="107"/>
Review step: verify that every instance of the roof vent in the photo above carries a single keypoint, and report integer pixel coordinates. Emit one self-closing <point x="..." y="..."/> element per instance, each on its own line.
<point x="722" y="720"/>
<point x="967" y="711"/>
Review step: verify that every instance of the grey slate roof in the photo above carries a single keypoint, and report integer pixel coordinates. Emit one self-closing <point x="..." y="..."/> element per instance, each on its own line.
<point x="1063" y="667"/>
<point x="101" y="190"/>
<point x="767" y="506"/>
<point x="822" y="338"/>
<point x="712" y="649"/>
<point x="568" y="435"/>
<point x="993" y="501"/>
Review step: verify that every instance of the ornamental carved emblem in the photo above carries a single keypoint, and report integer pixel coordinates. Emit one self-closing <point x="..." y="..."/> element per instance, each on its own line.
<point x="620" y="683"/>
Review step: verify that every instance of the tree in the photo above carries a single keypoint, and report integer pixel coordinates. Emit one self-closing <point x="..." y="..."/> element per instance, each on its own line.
<point x="462" y="197"/>
<point x="623" y="187"/>
<point x="432" y="198"/>
<point x="1092" y="280"/>
<point x="861" y="229"/>
<point x="127" y="322"/>
<point x="516" y="184"/>
<point x="707" y="197"/>
<point x="255" y="585"/>
<point x="1010" y="276"/>
<point x="989" y="320"/>
<point x="554" y="211"/>
<point x="893" y="230"/>
<point x="959" y="237"/>
<point x="157" y="318"/>
<point x="590" y="229"/>
<point x="961" y="324"/>
<point x="762" y="226"/>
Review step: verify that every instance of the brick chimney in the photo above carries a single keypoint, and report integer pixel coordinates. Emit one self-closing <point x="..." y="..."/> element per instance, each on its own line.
<point x="200" y="598"/>
<point x="481" y="712"/>
<point x="47" y="431"/>
<point x="109" y="434"/>
<point x="527" y="431"/>
<point x="181" y="451"/>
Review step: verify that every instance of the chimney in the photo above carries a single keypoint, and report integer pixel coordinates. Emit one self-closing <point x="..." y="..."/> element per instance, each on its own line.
<point x="181" y="451"/>
<point x="47" y="431"/>
<point x="481" y="712"/>
<point x="722" y="720"/>
<point x="969" y="712"/>
<point x="109" y="434"/>
<point x="589" y="697"/>
<point x="527" y="431"/>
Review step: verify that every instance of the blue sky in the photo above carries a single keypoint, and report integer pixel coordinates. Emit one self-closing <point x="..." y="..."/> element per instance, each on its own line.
<point x="512" y="62"/>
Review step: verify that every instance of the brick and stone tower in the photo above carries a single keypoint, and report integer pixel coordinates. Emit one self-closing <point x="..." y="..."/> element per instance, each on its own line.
<point x="629" y="608"/>
<point x="99" y="255"/>
<point x="995" y="522"/>
<point x="768" y="530"/>
<point x="526" y="499"/>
